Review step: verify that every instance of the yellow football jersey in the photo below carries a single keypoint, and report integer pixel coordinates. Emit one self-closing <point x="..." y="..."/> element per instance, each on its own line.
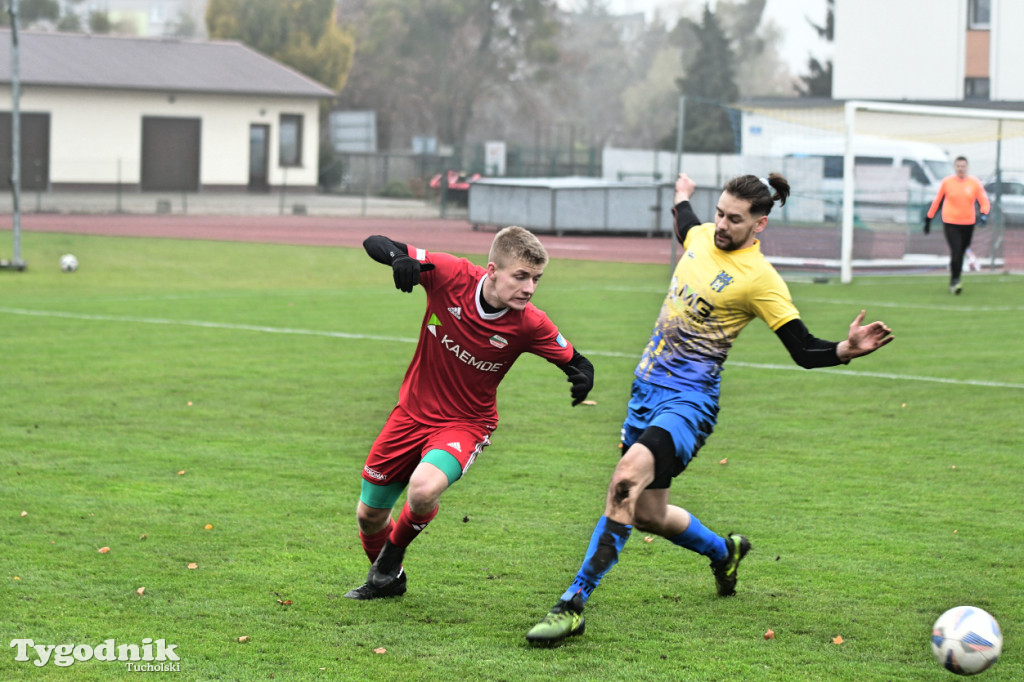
<point x="713" y="295"/>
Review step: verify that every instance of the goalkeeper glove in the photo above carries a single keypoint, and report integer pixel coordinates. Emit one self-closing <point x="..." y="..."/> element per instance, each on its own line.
<point x="984" y="219"/>
<point x="927" y="225"/>
<point x="407" y="272"/>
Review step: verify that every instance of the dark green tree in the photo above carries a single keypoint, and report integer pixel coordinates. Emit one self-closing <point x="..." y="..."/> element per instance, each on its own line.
<point x="709" y="87"/>
<point x="99" y="22"/>
<point x="426" y="66"/>
<point x="760" y="70"/>
<point x="185" y="26"/>
<point x="70" y="23"/>
<point x="817" y="82"/>
<point x="300" y="33"/>
<point x="595" y="68"/>
<point x="32" y="11"/>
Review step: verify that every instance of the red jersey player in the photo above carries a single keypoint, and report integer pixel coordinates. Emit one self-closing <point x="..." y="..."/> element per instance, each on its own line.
<point x="477" y="322"/>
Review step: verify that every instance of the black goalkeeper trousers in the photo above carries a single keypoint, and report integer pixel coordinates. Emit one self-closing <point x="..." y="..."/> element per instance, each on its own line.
<point x="959" y="239"/>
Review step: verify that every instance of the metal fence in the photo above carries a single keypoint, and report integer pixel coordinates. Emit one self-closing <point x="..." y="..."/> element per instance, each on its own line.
<point x="374" y="173"/>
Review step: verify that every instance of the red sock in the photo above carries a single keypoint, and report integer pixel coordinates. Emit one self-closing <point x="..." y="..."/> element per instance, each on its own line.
<point x="372" y="544"/>
<point x="409" y="526"/>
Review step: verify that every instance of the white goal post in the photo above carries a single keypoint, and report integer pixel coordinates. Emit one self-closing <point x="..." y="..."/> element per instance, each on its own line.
<point x="978" y="125"/>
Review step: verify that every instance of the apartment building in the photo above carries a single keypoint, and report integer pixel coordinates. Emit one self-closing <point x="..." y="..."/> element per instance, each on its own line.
<point x="929" y="50"/>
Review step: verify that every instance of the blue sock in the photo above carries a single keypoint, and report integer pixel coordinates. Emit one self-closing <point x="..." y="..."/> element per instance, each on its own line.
<point x="699" y="539"/>
<point x="607" y="540"/>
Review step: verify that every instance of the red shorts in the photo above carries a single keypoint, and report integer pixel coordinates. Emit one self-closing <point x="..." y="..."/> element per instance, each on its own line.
<point x="403" y="441"/>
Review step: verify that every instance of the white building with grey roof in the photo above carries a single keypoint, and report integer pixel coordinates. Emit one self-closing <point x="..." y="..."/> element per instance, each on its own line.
<point x="157" y="115"/>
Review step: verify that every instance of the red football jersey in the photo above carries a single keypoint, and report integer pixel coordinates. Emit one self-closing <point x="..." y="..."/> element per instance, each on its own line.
<point x="463" y="352"/>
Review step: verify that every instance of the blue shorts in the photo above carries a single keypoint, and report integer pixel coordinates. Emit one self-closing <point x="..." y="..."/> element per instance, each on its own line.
<point x="688" y="416"/>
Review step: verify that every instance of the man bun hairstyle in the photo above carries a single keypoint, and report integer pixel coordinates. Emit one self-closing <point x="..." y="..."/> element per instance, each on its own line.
<point x="762" y="193"/>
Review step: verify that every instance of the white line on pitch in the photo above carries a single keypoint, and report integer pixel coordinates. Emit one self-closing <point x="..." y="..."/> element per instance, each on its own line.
<point x="915" y="306"/>
<point x="399" y="339"/>
<point x="202" y="324"/>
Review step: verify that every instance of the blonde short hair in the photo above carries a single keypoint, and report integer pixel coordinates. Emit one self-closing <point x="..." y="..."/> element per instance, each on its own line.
<point x="517" y="245"/>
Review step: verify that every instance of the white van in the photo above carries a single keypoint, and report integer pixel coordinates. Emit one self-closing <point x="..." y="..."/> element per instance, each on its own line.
<point x="926" y="165"/>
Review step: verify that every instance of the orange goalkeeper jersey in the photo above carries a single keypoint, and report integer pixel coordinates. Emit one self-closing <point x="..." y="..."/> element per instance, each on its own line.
<point x="957" y="196"/>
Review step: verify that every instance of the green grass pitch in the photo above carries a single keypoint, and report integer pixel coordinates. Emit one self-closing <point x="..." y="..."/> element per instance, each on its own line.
<point x="171" y="385"/>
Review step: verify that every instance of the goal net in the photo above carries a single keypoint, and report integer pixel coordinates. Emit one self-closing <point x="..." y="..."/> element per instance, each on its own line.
<point x="864" y="174"/>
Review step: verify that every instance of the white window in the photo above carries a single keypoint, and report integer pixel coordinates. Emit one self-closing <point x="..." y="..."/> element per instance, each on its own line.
<point x="976" y="88"/>
<point x="290" y="140"/>
<point x="979" y="13"/>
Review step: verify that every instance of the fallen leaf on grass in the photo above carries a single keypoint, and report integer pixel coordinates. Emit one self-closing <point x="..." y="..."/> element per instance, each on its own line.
<point x="284" y="602"/>
<point x="17" y="578"/>
<point x="181" y="473"/>
<point x="142" y="537"/>
<point x="837" y="640"/>
<point x="769" y="634"/>
<point x="193" y="567"/>
<point x="724" y="460"/>
<point x="208" y="526"/>
<point x="648" y="538"/>
<point x="25" y="513"/>
<point x="103" y="550"/>
<point x="380" y="650"/>
<point x="141" y="591"/>
<point x="589" y="402"/>
<point x="243" y="639"/>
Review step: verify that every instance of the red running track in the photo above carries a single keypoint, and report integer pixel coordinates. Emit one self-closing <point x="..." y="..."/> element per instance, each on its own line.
<point x="434" y="234"/>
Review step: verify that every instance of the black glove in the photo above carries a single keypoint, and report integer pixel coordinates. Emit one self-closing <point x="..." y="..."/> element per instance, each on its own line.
<point x="927" y="225"/>
<point x="580" y="373"/>
<point x="983" y="218"/>
<point x="407" y="272"/>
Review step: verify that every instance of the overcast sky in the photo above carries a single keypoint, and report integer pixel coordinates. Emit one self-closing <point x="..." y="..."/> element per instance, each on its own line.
<point x="799" y="40"/>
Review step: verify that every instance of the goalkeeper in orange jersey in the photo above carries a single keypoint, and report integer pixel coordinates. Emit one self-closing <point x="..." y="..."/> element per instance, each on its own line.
<point x="958" y="195"/>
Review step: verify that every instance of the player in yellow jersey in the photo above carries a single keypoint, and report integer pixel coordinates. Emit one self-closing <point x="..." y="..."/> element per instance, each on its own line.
<point x="720" y="284"/>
